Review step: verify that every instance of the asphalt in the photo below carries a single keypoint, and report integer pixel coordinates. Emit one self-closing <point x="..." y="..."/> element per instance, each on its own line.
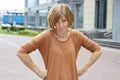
<point x="11" y="68"/>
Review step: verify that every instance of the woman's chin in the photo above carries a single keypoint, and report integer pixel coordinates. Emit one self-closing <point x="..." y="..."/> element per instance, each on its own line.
<point x="62" y="31"/>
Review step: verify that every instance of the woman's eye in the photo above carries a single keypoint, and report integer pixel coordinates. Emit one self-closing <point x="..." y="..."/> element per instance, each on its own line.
<point x="64" y="20"/>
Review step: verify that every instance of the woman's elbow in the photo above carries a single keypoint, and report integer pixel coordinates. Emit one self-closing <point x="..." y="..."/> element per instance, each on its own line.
<point x="21" y="54"/>
<point x="99" y="52"/>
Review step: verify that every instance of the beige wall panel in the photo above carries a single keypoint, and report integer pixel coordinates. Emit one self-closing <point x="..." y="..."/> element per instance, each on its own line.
<point x="89" y="7"/>
<point x="109" y="14"/>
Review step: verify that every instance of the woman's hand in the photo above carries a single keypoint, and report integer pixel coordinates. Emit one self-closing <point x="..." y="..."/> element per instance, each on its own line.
<point x="42" y="74"/>
<point x="81" y="71"/>
<point x="94" y="56"/>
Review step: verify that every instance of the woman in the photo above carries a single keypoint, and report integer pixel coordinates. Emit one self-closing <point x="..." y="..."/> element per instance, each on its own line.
<point x="59" y="46"/>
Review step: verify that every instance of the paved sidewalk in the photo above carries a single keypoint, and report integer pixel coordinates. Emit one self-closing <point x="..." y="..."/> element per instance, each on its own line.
<point x="11" y="68"/>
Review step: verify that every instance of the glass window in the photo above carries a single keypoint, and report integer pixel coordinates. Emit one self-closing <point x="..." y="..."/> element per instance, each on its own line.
<point x="43" y="18"/>
<point x="100" y="14"/>
<point x="44" y="1"/>
<point x="31" y="20"/>
<point x="80" y="15"/>
<point x="30" y="3"/>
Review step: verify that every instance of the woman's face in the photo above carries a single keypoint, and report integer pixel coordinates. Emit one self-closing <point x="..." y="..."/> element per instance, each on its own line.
<point x="61" y="25"/>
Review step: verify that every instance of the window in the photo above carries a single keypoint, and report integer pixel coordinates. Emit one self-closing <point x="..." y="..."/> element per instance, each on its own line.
<point x="80" y="16"/>
<point x="100" y="14"/>
<point x="31" y="20"/>
<point x="30" y="3"/>
<point x="43" y="18"/>
<point x="44" y="1"/>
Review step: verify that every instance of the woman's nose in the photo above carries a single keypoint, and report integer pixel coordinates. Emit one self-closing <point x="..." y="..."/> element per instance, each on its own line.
<point x="61" y="24"/>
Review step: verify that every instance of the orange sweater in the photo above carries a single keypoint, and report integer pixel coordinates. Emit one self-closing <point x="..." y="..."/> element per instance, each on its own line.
<point x="59" y="56"/>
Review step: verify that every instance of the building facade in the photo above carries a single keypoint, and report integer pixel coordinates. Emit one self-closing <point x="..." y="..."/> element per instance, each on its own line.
<point x="116" y="21"/>
<point x="36" y="12"/>
<point x="90" y="16"/>
<point x="13" y="18"/>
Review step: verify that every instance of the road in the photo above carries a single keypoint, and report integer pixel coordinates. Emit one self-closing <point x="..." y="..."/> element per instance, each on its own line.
<point x="11" y="68"/>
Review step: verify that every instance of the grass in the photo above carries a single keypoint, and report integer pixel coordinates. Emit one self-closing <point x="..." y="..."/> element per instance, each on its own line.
<point x="25" y="32"/>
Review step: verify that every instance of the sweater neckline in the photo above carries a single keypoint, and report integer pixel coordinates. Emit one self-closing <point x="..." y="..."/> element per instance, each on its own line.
<point x="53" y="35"/>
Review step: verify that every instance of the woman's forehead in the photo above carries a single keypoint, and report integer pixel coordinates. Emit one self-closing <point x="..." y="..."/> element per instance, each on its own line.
<point x="61" y="17"/>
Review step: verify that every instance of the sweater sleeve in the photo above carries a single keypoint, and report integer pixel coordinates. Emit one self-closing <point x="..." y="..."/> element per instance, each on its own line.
<point x="87" y="43"/>
<point x="33" y="44"/>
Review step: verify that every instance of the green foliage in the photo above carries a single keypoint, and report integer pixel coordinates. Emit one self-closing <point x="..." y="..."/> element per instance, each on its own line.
<point x="28" y="32"/>
<point x="5" y="27"/>
<point x="0" y="28"/>
<point x="18" y="31"/>
<point x="13" y="28"/>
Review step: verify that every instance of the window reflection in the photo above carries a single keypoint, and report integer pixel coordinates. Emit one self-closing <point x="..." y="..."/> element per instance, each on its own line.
<point x="80" y="16"/>
<point x="30" y="3"/>
<point x="42" y="18"/>
<point x="31" y="20"/>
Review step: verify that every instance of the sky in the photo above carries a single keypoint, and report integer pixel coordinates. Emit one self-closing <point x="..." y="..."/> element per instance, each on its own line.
<point x="11" y="5"/>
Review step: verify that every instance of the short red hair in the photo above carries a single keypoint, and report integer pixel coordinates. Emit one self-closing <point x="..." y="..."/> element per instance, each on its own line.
<point x="55" y="13"/>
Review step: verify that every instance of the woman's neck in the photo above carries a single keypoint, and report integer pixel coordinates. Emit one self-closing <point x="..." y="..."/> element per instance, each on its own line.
<point x="62" y="36"/>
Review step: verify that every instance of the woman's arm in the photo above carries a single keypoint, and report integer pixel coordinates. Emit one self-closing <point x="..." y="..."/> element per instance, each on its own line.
<point x="94" y="56"/>
<point x="26" y="59"/>
<point x="91" y="46"/>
